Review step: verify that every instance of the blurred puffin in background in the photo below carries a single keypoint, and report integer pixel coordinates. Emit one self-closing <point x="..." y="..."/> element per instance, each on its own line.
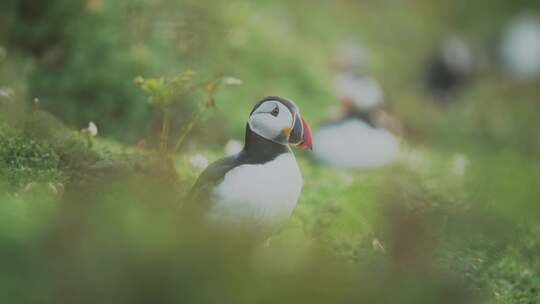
<point x="261" y="184"/>
<point x="519" y="50"/>
<point x="449" y="69"/>
<point x="358" y="138"/>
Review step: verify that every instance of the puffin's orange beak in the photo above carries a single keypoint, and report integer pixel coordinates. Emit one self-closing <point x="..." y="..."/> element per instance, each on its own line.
<point x="287" y="131"/>
<point x="347" y="103"/>
<point x="300" y="133"/>
<point x="307" y="137"/>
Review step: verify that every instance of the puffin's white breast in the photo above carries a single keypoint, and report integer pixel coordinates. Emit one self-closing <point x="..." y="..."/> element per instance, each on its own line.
<point x="355" y="144"/>
<point x="520" y="48"/>
<point x="261" y="193"/>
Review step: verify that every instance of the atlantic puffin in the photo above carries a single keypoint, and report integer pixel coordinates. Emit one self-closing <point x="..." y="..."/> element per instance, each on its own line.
<point x="261" y="184"/>
<point x="358" y="138"/>
<point x="448" y="69"/>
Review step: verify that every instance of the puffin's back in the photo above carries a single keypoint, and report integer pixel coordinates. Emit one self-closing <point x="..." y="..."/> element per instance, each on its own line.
<point x="200" y="195"/>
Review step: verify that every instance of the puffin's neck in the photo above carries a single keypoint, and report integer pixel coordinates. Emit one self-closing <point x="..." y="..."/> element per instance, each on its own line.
<point x="365" y="116"/>
<point x="258" y="149"/>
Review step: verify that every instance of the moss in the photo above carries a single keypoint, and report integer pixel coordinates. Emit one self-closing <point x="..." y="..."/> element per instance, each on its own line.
<point x="37" y="148"/>
<point x="24" y="160"/>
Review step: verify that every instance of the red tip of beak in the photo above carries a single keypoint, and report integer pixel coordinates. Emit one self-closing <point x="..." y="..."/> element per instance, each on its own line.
<point x="307" y="141"/>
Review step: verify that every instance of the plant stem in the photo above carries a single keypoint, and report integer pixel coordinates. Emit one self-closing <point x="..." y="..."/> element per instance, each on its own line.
<point x="197" y="115"/>
<point x="164" y="138"/>
<point x="185" y="130"/>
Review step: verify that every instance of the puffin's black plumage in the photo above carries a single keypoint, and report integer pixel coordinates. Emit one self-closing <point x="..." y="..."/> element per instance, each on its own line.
<point x="367" y="117"/>
<point x="289" y="104"/>
<point x="441" y="80"/>
<point x="449" y="69"/>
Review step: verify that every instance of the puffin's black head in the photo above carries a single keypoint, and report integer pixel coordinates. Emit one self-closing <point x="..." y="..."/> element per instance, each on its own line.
<point x="278" y="119"/>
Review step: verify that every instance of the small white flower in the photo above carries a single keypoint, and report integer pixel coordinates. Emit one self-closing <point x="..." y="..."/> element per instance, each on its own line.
<point x="459" y="164"/>
<point x="92" y="129"/>
<point x="199" y="161"/>
<point x="231" y="81"/>
<point x="232" y="147"/>
<point x="36" y="103"/>
<point x="6" y="93"/>
<point x="377" y="246"/>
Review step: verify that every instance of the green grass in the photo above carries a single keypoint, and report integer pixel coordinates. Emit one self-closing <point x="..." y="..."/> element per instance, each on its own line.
<point x="421" y="213"/>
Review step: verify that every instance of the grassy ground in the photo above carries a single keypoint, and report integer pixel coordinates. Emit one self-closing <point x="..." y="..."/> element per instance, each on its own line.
<point x="433" y="211"/>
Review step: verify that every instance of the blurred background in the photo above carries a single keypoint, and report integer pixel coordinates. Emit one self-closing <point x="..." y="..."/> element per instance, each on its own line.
<point x="450" y="214"/>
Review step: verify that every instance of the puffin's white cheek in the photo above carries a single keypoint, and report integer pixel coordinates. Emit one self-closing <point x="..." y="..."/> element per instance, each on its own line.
<point x="265" y="125"/>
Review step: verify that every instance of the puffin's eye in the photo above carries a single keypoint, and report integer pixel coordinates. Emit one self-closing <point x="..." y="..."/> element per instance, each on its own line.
<point x="275" y="111"/>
